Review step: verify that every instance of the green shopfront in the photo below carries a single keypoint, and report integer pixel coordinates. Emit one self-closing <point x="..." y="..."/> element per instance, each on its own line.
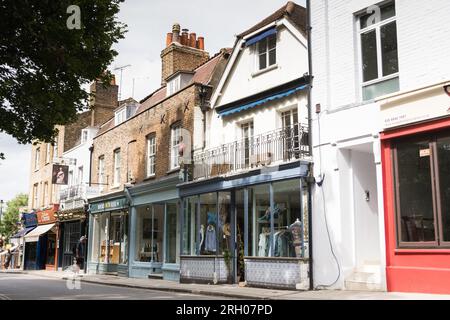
<point x="155" y="229"/>
<point x="108" y="235"/>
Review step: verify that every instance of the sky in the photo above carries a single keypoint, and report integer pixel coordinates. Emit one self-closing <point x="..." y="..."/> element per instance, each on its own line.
<point x="148" y="23"/>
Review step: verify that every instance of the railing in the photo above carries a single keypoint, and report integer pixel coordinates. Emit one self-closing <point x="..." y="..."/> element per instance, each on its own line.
<point x="270" y="148"/>
<point x="80" y="191"/>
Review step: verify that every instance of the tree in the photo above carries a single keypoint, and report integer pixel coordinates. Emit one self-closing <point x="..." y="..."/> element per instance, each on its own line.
<point x="10" y="219"/>
<point x="48" y="50"/>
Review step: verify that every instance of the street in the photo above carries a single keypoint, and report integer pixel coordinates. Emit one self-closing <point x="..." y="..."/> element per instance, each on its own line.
<point x="32" y="287"/>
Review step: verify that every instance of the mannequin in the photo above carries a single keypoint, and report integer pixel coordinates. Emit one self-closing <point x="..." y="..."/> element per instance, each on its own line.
<point x="202" y="236"/>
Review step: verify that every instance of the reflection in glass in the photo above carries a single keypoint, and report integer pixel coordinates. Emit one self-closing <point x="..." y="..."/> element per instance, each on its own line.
<point x="443" y="148"/>
<point x="389" y="48"/>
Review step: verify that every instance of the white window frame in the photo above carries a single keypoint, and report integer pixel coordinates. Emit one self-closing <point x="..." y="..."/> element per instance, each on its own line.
<point x="173" y="85"/>
<point x="257" y="54"/>
<point x="175" y="132"/>
<point x="55" y="150"/>
<point x="116" y="168"/>
<point x="47" y="153"/>
<point x="37" y="156"/>
<point x="46" y="200"/>
<point x="120" y="116"/>
<point x="376" y="26"/>
<point x="101" y="171"/>
<point x="80" y="175"/>
<point x="84" y="136"/>
<point x="291" y="116"/>
<point x="151" y="155"/>
<point x="35" y="195"/>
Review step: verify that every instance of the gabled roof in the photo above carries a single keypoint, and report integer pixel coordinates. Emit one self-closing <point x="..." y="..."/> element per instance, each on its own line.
<point x="291" y="10"/>
<point x="202" y="75"/>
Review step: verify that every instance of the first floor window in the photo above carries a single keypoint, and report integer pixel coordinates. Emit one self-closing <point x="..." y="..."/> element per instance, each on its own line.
<point x="267" y="49"/>
<point x="116" y="177"/>
<point x="151" y="155"/>
<point x="101" y="172"/>
<point x="422" y="187"/>
<point x="35" y="195"/>
<point x="175" y="139"/>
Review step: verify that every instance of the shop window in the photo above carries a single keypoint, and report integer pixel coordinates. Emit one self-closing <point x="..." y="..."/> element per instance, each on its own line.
<point x="208" y="224"/>
<point x="422" y="188"/>
<point x="191" y="233"/>
<point x="149" y="236"/>
<point x="260" y="207"/>
<point x="379" y="56"/>
<point x="224" y="223"/>
<point x="172" y="233"/>
<point x="112" y="245"/>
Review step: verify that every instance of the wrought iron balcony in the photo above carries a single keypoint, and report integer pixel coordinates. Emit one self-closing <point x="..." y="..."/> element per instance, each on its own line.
<point x="80" y="191"/>
<point x="267" y="149"/>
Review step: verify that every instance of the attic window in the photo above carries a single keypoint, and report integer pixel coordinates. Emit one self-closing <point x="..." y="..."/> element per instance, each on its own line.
<point x="173" y="85"/>
<point x="120" y="116"/>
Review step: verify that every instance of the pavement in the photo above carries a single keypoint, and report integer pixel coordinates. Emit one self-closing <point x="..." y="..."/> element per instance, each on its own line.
<point x="231" y="291"/>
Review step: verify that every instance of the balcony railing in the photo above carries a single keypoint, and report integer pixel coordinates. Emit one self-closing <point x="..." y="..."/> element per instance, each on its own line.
<point x="267" y="149"/>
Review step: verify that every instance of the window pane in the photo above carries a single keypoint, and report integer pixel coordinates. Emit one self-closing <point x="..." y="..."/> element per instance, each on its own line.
<point x="415" y="192"/>
<point x="381" y="88"/>
<point x="369" y="55"/>
<point x="262" y="61"/>
<point x="224" y="223"/>
<point x="272" y="57"/>
<point x="208" y="223"/>
<point x="260" y="209"/>
<point x="172" y="236"/>
<point x="262" y="46"/>
<point x="369" y="19"/>
<point x="443" y="146"/>
<point x="389" y="48"/>
<point x="190" y="234"/>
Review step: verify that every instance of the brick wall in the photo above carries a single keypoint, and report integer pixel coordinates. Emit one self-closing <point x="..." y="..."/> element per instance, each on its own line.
<point x="130" y="137"/>
<point x="177" y="57"/>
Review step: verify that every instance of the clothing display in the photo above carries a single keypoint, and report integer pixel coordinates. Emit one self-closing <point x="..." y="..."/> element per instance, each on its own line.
<point x="263" y="245"/>
<point x="210" y="238"/>
<point x="284" y="244"/>
<point x="296" y="230"/>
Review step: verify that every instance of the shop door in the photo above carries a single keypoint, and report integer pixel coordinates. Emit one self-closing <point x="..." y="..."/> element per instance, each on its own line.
<point x="30" y="256"/>
<point x="71" y="237"/>
<point x="51" y="250"/>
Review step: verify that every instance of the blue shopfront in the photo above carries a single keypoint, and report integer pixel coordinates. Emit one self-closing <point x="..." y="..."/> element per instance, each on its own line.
<point x="155" y="229"/>
<point x="251" y="228"/>
<point x="108" y="234"/>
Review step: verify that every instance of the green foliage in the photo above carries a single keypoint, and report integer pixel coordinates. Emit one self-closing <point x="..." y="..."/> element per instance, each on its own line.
<point x="44" y="64"/>
<point x="10" y="219"/>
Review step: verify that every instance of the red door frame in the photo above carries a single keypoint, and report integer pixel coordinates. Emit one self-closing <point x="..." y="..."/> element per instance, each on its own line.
<point x="410" y="270"/>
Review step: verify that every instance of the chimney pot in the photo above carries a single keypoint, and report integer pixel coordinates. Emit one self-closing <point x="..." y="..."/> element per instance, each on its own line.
<point x="201" y="43"/>
<point x="169" y="38"/>
<point x="184" y="37"/>
<point x="193" y="40"/>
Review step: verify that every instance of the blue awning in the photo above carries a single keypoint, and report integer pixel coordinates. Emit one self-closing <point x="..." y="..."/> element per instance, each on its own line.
<point x="261" y="101"/>
<point x="22" y="232"/>
<point x="260" y="36"/>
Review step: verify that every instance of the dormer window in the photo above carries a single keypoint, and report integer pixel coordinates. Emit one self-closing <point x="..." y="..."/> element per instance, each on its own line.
<point x="173" y="85"/>
<point x="120" y="116"/>
<point x="84" y="136"/>
<point x="267" y="52"/>
<point x="178" y="81"/>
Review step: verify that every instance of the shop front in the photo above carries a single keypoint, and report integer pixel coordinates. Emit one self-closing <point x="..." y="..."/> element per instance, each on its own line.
<point x="155" y="229"/>
<point x="416" y="170"/>
<point x="250" y="228"/>
<point x="108" y="235"/>
<point x="29" y="222"/>
<point x="41" y="244"/>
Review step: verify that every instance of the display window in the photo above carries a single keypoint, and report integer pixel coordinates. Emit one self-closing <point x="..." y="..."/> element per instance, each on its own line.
<point x="422" y="190"/>
<point x="149" y="233"/>
<point x="208" y="224"/>
<point x="191" y="233"/>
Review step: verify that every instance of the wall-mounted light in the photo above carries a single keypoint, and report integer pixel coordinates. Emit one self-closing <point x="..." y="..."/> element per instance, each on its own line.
<point x="447" y="89"/>
<point x="367" y="194"/>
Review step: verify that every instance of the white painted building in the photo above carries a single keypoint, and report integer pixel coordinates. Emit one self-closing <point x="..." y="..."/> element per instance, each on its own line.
<point x="360" y="53"/>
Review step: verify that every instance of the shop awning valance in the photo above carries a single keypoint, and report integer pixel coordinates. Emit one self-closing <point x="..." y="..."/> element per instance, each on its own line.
<point x="22" y="232"/>
<point x="34" y="235"/>
<point x="261" y="36"/>
<point x="259" y="102"/>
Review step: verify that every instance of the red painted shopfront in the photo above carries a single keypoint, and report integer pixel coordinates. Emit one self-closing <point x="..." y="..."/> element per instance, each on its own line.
<point x="416" y="183"/>
<point x="46" y="218"/>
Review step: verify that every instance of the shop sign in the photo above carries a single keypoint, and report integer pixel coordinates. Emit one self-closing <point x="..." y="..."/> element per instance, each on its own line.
<point x="108" y="205"/>
<point x="46" y="216"/>
<point x="29" y="219"/>
<point x="427" y="104"/>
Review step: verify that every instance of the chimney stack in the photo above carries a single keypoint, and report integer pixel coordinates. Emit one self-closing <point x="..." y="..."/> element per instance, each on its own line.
<point x="188" y="53"/>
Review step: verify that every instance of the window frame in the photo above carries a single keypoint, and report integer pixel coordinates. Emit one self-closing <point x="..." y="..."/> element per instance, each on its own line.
<point x="37" y="158"/>
<point x="176" y="127"/>
<point x="174" y="85"/>
<point x="375" y="27"/>
<point x="120" y="116"/>
<point x="116" y="169"/>
<point x="150" y="173"/>
<point x="47" y="153"/>
<point x="438" y="243"/>
<point x="101" y="171"/>
<point x="266" y="53"/>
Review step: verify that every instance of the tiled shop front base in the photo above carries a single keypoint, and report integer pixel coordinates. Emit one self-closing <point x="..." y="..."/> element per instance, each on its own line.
<point x="203" y="269"/>
<point x="280" y="273"/>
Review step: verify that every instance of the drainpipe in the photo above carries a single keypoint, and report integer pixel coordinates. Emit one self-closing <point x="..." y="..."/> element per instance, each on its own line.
<point x="310" y="224"/>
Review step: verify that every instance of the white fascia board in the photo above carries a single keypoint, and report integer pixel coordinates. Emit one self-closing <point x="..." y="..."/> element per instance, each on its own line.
<point x="294" y="30"/>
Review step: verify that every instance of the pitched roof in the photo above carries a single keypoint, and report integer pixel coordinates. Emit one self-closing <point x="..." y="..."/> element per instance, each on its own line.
<point x="202" y="75"/>
<point x="291" y="10"/>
